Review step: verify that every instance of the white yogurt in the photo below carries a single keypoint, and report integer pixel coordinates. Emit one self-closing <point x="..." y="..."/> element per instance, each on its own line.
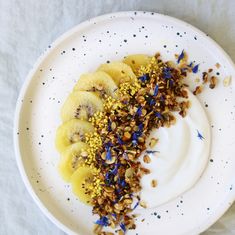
<point x="181" y="159"/>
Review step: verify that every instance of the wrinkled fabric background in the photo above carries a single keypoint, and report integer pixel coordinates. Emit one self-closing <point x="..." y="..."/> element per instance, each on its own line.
<point x="27" y="27"/>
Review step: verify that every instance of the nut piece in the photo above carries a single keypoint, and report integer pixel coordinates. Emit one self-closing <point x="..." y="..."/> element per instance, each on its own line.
<point x="97" y="229"/>
<point x="143" y="204"/>
<point x="106" y="233"/>
<point x="147" y="159"/>
<point x="144" y="112"/>
<point x="153" y="142"/>
<point x="126" y="136"/>
<point x="113" y="126"/>
<point x="227" y="81"/>
<point x="197" y="90"/>
<point x="129" y="173"/>
<point x="84" y="154"/>
<point x="120" y="232"/>
<point x="154" y="183"/>
<point x="213" y="82"/>
<point x="141" y="99"/>
<point x="205" y="77"/>
<point x="217" y="65"/>
<point x="145" y="170"/>
<point x="103" y="155"/>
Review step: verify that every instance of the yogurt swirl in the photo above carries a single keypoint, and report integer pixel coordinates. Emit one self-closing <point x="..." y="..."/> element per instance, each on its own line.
<point x="180" y="158"/>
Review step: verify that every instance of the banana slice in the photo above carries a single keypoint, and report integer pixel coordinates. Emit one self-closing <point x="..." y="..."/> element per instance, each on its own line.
<point x="136" y="61"/>
<point x="99" y="82"/>
<point x="119" y="72"/>
<point x="80" y="180"/>
<point x="71" y="132"/>
<point x="82" y="105"/>
<point x="71" y="159"/>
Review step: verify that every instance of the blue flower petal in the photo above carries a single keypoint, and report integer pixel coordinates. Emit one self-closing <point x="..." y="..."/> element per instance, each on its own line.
<point x="108" y="145"/>
<point x="139" y="111"/>
<point x="141" y="126"/>
<point x="162" y="98"/>
<point x="108" y="151"/>
<point x="120" y="141"/>
<point x="123" y="227"/>
<point x="137" y="203"/>
<point x="151" y="151"/>
<point x="108" y="155"/>
<point x="108" y="178"/>
<point x="121" y="182"/>
<point x="103" y="221"/>
<point x="109" y="126"/>
<point x="166" y="73"/>
<point x="195" y="68"/>
<point x="155" y="90"/>
<point x="115" y="169"/>
<point x="181" y="56"/>
<point x="191" y="64"/>
<point x="144" y="78"/>
<point x="157" y="114"/>
<point x="171" y="82"/>
<point x="134" y="142"/>
<point x="199" y="135"/>
<point x="152" y="102"/>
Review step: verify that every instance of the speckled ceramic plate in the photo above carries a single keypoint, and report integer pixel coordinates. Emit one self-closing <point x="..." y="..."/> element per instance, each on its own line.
<point x="82" y="49"/>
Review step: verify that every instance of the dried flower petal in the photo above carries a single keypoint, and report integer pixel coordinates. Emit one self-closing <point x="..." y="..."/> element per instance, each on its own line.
<point x="108" y="151"/>
<point x="167" y="73"/>
<point x="152" y="102"/>
<point x="139" y="111"/>
<point x="195" y="68"/>
<point x="199" y="135"/>
<point x="144" y="78"/>
<point x="152" y="151"/>
<point x="103" y="221"/>
<point x="109" y="126"/>
<point x="141" y="126"/>
<point x="123" y="227"/>
<point x="120" y="141"/>
<point x="157" y="114"/>
<point x="156" y="90"/>
<point x="181" y="56"/>
<point x="135" y="206"/>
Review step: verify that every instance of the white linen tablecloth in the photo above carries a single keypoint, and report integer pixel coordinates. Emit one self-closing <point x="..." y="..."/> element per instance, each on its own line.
<point x="27" y="27"/>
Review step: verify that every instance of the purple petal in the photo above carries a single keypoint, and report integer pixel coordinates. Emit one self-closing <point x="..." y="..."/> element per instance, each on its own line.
<point x="123" y="227"/>
<point x="195" y="68"/>
<point x="103" y="221"/>
<point x="155" y="90"/>
<point x="181" y="56"/>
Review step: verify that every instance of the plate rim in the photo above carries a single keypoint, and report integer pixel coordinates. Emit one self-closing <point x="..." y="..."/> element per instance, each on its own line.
<point x="197" y="230"/>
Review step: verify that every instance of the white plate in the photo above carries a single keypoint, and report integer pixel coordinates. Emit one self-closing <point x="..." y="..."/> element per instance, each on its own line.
<point x="82" y="49"/>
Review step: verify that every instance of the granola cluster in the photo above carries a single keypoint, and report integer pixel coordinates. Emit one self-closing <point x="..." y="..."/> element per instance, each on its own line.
<point x="123" y="127"/>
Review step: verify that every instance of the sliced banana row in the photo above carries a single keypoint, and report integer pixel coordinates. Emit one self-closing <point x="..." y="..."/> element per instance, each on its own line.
<point x="86" y="99"/>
